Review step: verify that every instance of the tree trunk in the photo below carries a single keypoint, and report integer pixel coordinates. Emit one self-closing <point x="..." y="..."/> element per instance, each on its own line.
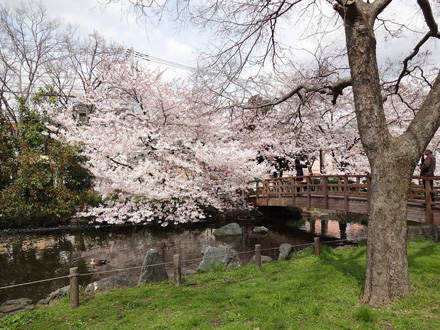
<point x="391" y="165"/>
<point x="392" y="159"/>
<point x="387" y="265"/>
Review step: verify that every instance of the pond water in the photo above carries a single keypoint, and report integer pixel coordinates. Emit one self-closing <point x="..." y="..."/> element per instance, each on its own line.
<point x="33" y="257"/>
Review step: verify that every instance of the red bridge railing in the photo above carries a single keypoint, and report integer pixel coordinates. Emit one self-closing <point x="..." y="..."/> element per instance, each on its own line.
<point x="347" y="193"/>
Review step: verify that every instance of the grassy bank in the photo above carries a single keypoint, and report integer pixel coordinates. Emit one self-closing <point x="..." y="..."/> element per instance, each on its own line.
<point x="306" y="293"/>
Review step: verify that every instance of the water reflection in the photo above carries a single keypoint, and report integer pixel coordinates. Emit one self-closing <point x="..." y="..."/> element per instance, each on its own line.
<point x="32" y="257"/>
<point x="332" y="228"/>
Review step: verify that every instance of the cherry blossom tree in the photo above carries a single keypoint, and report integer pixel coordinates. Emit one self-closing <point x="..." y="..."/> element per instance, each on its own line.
<point x="247" y="34"/>
<point x="157" y="155"/>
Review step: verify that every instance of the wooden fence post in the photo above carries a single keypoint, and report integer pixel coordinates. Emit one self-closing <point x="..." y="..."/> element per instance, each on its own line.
<point x="177" y="270"/>
<point x="74" y="288"/>
<point x="317" y="246"/>
<point x="258" y="256"/>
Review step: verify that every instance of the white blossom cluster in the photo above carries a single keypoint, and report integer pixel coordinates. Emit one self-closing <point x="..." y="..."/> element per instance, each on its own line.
<point x="157" y="155"/>
<point x="162" y="152"/>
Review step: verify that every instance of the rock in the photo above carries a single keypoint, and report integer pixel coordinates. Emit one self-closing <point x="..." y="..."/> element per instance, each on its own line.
<point x="153" y="269"/>
<point x="15" y="306"/>
<point x="219" y="255"/>
<point x="188" y="271"/>
<point x="109" y="283"/>
<point x="286" y="251"/>
<point x="264" y="259"/>
<point x="56" y="295"/>
<point x="229" y="240"/>
<point x="231" y="229"/>
<point x="260" y="230"/>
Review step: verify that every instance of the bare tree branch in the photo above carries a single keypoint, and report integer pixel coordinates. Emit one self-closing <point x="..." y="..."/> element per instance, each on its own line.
<point x="425" y="6"/>
<point x="430" y="21"/>
<point x="335" y="90"/>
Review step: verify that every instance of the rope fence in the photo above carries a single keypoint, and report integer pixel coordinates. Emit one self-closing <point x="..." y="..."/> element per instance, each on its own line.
<point x="177" y="262"/>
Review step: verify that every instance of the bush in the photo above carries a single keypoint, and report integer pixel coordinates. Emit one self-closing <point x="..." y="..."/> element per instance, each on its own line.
<point x="43" y="181"/>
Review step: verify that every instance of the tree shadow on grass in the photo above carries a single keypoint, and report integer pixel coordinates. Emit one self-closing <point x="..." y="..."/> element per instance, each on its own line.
<point x="424" y="258"/>
<point x="351" y="262"/>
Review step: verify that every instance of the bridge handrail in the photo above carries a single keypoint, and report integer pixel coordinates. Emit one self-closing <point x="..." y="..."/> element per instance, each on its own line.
<point x="345" y="185"/>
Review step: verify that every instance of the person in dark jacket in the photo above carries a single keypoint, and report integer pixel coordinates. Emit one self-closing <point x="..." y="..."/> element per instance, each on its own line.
<point x="427" y="168"/>
<point x="299" y="172"/>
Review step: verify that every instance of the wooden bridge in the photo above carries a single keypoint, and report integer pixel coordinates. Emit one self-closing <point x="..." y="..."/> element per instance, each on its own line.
<point x="346" y="193"/>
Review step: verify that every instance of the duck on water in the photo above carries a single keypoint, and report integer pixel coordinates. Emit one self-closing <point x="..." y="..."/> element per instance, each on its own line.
<point x="98" y="262"/>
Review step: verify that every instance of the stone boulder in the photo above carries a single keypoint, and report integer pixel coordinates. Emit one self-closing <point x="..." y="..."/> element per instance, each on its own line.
<point x="109" y="283"/>
<point x="15" y="306"/>
<point x="264" y="259"/>
<point x="153" y="269"/>
<point x="232" y="229"/>
<point x="286" y="251"/>
<point x="260" y="230"/>
<point x="219" y="255"/>
<point x="56" y="295"/>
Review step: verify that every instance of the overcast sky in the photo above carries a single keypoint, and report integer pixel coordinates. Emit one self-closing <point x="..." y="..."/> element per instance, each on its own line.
<point x="180" y="47"/>
<point x="161" y="42"/>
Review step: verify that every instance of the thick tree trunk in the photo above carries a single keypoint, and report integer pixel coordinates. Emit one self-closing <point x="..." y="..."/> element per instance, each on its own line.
<point x="391" y="165"/>
<point x="387" y="266"/>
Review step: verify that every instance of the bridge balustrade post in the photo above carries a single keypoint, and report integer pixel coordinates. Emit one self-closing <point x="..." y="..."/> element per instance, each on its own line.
<point x="428" y="200"/>
<point x="368" y="192"/>
<point x="280" y="191"/>
<point x="266" y="191"/>
<point x="326" y="192"/>
<point x="309" y="191"/>
<point x="346" y="189"/>
<point x="295" y="190"/>
<point x="257" y="189"/>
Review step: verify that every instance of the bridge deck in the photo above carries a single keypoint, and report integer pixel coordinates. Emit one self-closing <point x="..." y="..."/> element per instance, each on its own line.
<point x="346" y="193"/>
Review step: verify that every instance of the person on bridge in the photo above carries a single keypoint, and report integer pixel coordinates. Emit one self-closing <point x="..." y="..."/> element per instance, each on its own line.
<point x="427" y="168"/>
<point x="299" y="173"/>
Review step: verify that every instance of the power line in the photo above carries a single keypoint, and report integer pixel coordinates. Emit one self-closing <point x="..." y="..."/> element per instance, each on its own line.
<point x="137" y="54"/>
<point x="159" y="60"/>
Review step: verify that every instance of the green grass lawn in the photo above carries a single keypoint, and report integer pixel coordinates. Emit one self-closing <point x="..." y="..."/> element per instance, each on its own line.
<point x="308" y="292"/>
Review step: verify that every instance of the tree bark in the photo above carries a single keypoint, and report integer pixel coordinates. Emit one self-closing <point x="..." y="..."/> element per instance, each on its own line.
<point x="387" y="266"/>
<point x="391" y="165"/>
